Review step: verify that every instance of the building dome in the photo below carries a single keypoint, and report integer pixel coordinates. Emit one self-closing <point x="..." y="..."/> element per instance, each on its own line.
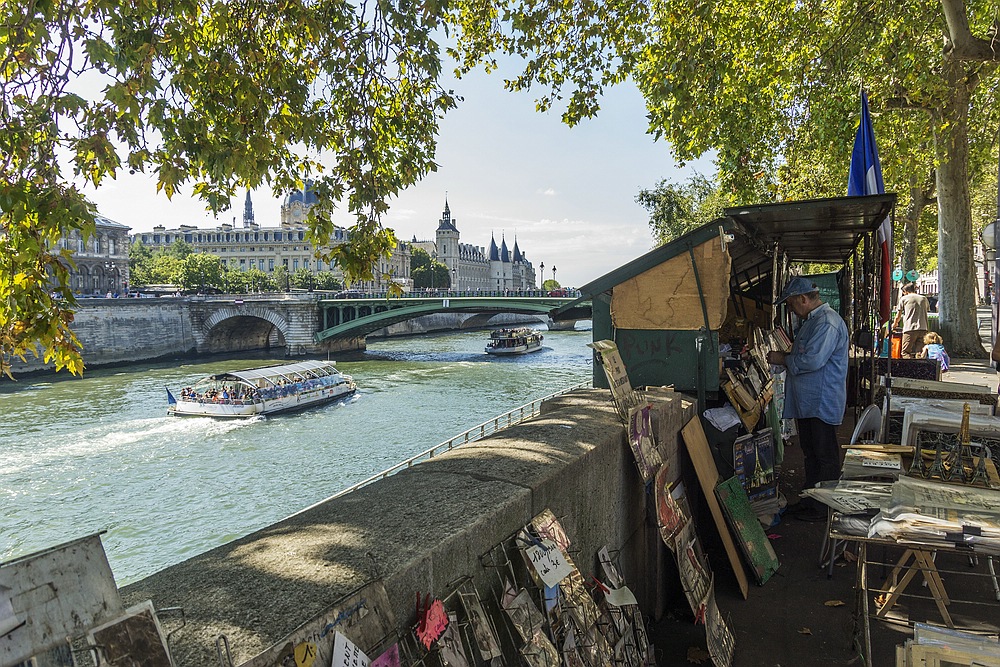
<point x="306" y="198"/>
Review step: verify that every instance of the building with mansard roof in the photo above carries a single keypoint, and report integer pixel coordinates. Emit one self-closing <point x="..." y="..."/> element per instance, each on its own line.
<point x="474" y="268"/>
<point x="101" y="261"/>
<point x="253" y="246"/>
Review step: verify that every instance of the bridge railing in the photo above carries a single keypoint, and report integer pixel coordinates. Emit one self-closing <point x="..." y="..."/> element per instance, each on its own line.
<point x="498" y="423"/>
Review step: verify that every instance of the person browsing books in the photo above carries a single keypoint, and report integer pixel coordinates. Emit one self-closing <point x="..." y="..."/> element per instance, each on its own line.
<point x="815" y="385"/>
<point x="912" y="315"/>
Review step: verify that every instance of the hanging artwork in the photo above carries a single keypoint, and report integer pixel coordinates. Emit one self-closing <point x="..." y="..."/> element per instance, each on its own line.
<point x="614" y="369"/>
<point x="547" y="525"/>
<point x="390" y="658"/>
<point x="537" y="651"/>
<point x="431" y="620"/>
<point x="640" y="439"/>
<point x="482" y="630"/>
<point x="669" y="516"/>
<point x="753" y="463"/>
<point x="450" y="646"/>
<point x="696" y="577"/>
<point x="720" y="639"/>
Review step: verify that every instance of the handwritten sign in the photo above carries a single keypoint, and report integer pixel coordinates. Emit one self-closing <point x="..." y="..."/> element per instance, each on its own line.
<point x="433" y="623"/>
<point x="388" y="659"/>
<point x="620" y="597"/>
<point x="346" y="654"/>
<point x="549" y="562"/>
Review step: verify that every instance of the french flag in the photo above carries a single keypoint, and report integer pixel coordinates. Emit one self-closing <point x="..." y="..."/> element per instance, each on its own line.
<point x="865" y="178"/>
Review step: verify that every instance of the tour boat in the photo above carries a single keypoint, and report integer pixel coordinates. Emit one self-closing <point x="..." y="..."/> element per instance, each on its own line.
<point x="514" y="341"/>
<point x="262" y="391"/>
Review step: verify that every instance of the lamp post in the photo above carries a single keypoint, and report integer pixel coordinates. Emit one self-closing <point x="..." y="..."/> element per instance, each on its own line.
<point x="454" y="279"/>
<point x="541" y="284"/>
<point x="554" y="276"/>
<point x="111" y="269"/>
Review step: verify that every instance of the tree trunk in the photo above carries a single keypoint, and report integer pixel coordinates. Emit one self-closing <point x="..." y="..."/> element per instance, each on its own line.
<point x="921" y="196"/>
<point x="956" y="272"/>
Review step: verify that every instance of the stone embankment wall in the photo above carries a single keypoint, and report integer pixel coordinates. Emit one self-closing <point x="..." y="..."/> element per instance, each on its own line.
<point x="424" y="528"/>
<point x="127" y="330"/>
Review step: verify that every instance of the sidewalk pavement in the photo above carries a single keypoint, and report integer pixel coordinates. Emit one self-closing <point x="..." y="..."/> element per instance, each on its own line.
<point x="799" y="617"/>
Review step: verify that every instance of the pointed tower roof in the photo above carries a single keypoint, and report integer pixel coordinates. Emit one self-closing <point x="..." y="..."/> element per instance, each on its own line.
<point x="504" y="253"/>
<point x="494" y="251"/>
<point x="248" y="212"/>
<point x="518" y="257"/>
<point x="446" y="223"/>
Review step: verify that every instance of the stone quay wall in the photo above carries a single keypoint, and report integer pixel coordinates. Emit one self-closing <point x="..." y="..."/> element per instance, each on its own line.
<point x="426" y="527"/>
<point x="126" y="330"/>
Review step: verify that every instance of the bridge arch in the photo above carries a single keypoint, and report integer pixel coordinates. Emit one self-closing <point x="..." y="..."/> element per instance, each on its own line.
<point x="240" y="329"/>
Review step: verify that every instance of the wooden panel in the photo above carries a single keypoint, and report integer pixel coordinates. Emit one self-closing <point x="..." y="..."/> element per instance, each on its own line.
<point x="708" y="477"/>
<point x="666" y="296"/>
<point x="53" y="594"/>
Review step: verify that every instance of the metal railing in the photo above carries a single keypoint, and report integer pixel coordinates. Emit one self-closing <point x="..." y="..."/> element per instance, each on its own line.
<point x="498" y="423"/>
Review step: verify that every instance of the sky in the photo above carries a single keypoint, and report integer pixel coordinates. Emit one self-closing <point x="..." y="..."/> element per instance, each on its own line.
<point x="566" y="194"/>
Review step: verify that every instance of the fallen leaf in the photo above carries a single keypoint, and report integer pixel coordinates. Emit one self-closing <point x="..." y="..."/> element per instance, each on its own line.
<point x="805" y="631"/>
<point x="834" y="603"/>
<point x="697" y="655"/>
<point x="774" y="536"/>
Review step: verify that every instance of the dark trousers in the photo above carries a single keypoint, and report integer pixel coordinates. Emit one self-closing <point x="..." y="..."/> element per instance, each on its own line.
<point x="819" y="447"/>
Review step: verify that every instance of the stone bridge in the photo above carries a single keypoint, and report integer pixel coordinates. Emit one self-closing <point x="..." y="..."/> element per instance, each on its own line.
<point x="303" y="323"/>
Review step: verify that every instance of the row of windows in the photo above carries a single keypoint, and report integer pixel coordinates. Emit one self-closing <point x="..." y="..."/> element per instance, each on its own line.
<point x="98" y="245"/>
<point x="269" y="263"/>
<point x="230" y="237"/>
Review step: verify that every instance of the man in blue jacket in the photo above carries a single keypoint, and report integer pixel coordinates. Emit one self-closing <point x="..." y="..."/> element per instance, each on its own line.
<point x="815" y="385"/>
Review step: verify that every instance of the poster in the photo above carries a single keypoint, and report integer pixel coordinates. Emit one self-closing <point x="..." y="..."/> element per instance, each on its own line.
<point x="669" y="515"/>
<point x="522" y="612"/>
<point x="431" y="621"/>
<point x="547" y="525"/>
<point x="640" y="439"/>
<point x="482" y="630"/>
<point x="450" y="645"/>
<point x="753" y="464"/>
<point x="346" y="654"/>
<point x="696" y="578"/>
<point x="388" y="659"/>
<point x="720" y="639"/>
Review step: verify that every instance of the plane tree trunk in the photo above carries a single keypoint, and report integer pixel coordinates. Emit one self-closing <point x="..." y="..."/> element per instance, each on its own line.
<point x="921" y="196"/>
<point x="956" y="271"/>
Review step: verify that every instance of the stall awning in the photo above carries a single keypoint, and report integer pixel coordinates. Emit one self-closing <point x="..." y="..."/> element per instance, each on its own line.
<point x="817" y="230"/>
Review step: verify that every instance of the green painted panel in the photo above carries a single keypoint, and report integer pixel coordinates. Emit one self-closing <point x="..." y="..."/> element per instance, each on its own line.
<point x="657" y="358"/>
<point x="829" y="290"/>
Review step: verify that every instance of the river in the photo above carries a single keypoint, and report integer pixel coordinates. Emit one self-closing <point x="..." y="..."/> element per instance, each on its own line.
<point x="98" y="453"/>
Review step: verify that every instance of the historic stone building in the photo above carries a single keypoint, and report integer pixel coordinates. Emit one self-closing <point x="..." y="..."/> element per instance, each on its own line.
<point x="473" y="268"/>
<point x="101" y="260"/>
<point x="253" y="246"/>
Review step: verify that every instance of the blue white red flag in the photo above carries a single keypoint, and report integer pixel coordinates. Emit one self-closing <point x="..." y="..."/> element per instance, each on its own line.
<point x="865" y="178"/>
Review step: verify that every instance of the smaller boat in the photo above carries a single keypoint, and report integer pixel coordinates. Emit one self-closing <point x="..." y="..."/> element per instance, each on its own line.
<point x="514" y="341"/>
<point x="262" y="391"/>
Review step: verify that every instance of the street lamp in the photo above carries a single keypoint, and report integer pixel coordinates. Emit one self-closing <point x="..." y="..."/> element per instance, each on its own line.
<point x="554" y="276"/>
<point x="454" y="278"/>
<point x="111" y="269"/>
<point x="541" y="267"/>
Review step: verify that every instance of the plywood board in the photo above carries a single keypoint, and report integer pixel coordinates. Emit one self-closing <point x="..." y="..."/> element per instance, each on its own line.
<point x="53" y="594"/>
<point x="708" y="477"/>
<point x="134" y="639"/>
<point x="667" y="296"/>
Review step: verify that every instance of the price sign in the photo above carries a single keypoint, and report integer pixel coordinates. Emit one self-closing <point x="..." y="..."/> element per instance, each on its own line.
<point x="897" y="274"/>
<point x="912" y="275"/>
<point x="548" y="561"/>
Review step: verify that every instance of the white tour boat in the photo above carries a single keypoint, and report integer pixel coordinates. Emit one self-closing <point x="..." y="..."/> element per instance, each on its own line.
<point x="514" y="341"/>
<point x="262" y="391"/>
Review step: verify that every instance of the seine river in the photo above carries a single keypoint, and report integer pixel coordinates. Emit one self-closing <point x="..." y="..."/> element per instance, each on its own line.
<point x="98" y="453"/>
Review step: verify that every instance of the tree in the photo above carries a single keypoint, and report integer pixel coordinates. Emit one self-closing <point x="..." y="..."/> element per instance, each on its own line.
<point x="434" y="275"/>
<point x="327" y="280"/>
<point x="419" y="258"/>
<point x="303" y="279"/>
<point x="281" y="278"/>
<point x="212" y="97"/>
<point x="550" y="285"/>
<point x="751" y="81"/>
<point x="199" y="271"/>
<point x="677" y="209"/>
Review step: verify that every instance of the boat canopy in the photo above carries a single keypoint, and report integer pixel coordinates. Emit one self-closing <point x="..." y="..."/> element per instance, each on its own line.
<point x="304" y="369"/>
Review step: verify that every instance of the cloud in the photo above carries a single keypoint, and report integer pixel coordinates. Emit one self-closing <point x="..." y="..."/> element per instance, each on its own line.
<point x="548" y="192"/>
